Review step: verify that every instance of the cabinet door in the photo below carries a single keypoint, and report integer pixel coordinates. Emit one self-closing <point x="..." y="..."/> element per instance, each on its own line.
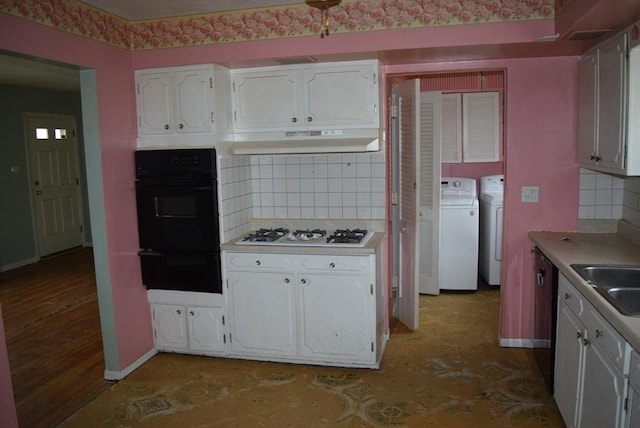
<point x="480" y="127"/>
<point x="341" y="96"/>
<point x="332" y="327"/>
<point x="587" y="90"/>
<point x="451" y="128"/>
<point x="206" y="330"/>
<point x="266" y="100"/>
<point x="263" y="313"/>
<point x="193" y="99"/>
<point x="611" y="102"/>
<point x="155" y="103"/>
<point x="170" y="326"/>
<point x="633" y="409"/>
<point x="602" y="390"/>
<point x="569" y="364"/>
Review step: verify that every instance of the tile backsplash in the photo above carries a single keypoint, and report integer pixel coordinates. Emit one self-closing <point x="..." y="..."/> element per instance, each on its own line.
<point x="607" y="197"/>
<point x="327" y="186"/>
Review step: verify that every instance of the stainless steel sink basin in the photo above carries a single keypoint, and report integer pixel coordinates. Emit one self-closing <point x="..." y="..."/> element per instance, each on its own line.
<point x="618" y="284"/>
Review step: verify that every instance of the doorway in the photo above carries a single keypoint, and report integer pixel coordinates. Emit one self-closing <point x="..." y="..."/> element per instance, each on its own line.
<point x="54" y="177"/>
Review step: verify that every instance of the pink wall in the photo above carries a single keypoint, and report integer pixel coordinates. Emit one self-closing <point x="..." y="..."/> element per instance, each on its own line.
<point x="540" y="150"/>
<point x="127" y="320"/>
<point x="543" y="94"/>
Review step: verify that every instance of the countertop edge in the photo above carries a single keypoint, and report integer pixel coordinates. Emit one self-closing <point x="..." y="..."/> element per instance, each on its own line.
<point x="567" y="248"/>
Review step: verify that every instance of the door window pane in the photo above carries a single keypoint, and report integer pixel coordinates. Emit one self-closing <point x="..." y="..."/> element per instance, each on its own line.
<point x="61" y="134"/>
<point x="42" y="134"/>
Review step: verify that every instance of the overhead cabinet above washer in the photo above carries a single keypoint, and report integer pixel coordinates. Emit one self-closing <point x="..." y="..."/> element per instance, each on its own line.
<point x="311" y="96"/>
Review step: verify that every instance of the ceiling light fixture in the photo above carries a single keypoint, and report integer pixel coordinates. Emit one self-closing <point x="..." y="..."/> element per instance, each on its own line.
<point x="324" y="6"/>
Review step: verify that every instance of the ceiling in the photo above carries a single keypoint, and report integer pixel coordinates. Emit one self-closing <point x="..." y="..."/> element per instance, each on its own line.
<point x="605" y="14"/>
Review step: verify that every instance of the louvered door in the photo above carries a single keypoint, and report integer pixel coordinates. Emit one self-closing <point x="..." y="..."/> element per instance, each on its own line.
<point x="481" y="125"/>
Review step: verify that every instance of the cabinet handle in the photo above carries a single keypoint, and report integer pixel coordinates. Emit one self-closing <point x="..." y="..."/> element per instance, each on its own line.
<point x="303" y="281"/>
<point x="309" y="119"/>
<point x="192" y="313"/>
<point x="294" y="119"/>
<point x="166" y="126"/>
<point x="332" y="265"/>
<point x="286" y="280"/>
<point x="598" y="158"/>
<point x="258" y="263"/>
<point x="178" y="311"/>
<point x="181" y="126"/>
<point x="586" y="341"/>
<point x="567" y="296"/>
<point x="599" y="333"/>
<point x="578" y="335"/>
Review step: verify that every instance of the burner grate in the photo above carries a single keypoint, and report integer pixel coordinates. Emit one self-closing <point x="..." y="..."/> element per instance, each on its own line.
<point x="266" y="235"/>
<point x="347" y="236"/>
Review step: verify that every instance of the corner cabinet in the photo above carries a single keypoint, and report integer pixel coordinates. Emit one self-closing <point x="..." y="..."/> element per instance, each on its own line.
<point x="310" y="96"/>
<point x="182" y="100"/>
<point x="605" y="104"/>
<point x="186" y="322"/>
<point x="313" y="309"/>
<point x="592" y="364"/>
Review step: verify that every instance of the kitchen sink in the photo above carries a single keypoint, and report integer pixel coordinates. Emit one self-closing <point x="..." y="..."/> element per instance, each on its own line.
<point x="618" y="284"/>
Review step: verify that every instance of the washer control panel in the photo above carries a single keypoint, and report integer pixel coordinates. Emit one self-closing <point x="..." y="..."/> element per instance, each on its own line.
<point x="461" y="186"/>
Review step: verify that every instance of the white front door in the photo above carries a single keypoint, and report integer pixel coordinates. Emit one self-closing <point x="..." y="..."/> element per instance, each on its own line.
<point x="53" y="163"/>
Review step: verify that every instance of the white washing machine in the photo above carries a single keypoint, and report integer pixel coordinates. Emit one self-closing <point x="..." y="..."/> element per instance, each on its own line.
<point x="491" y="215"/>
<point x="458" y="234"/>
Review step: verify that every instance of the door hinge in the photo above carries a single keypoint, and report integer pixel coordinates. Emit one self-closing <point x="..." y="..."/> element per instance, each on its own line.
<point x="372" y="347"/>
<point x="230" y="338"/>
<point x="394" y="198"/>
<point x="394" y="111"/>
<point x="80" y="228"/>
<point x="210" y="82"/>
<point x="375" y="78"/>
<point x="235" y="117"/>
<point x="77" y="181"/>
<point x="138" y="88"/>
<point x="372" y="289"/>
<point x="212" y="120"/>
<point x="73" y="133"/>
<point x="224" y="338"/>
<point x="626" y="404"/>
<point x="227" y="282"/>
<point x="394" y="283"/>
<point x="233" y="86"/>
<point x="375" y="108"/>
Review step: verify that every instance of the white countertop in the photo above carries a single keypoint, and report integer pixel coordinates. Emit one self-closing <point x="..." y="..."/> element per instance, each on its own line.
<point x="369" y="248"/>
<point x="567" y="248"/>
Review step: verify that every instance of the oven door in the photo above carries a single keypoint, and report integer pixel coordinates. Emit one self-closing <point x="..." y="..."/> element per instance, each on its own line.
<point x="184" y="271"/>
<point x="178" y="216"/>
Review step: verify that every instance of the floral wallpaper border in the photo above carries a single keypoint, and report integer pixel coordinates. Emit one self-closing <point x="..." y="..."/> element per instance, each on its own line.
<point x="275" y="22"/>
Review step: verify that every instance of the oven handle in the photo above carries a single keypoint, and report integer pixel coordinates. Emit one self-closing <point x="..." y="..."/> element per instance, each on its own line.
<point x="156" y="253"/>
<point x="165" y="186"/>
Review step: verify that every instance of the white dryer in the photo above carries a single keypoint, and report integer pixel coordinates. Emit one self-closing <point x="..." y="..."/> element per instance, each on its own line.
<point x="458" y="234"/>
<point x="491" y="216"/>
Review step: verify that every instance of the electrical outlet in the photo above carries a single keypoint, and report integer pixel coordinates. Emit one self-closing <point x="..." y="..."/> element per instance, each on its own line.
<point x="530" y="193"/>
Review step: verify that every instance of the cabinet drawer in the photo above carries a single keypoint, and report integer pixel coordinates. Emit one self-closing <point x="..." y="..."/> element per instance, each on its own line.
<point x="327" y="264"/>
<point x="634" y="374"/>
<point x="250" y="261"/>
<point x="607" y="338"/>
<point x="570" y="295"/>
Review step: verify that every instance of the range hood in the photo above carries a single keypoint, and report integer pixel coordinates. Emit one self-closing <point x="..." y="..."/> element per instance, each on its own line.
<point x="308" y="141"/>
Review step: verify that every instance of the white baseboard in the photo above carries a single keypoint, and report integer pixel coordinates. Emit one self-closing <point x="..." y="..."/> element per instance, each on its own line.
<point x="119" y="375"/>
<point x="21" y="263"/>
<point x="517" y="343"/>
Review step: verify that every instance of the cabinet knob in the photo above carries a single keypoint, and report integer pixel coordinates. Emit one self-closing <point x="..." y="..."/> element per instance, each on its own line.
<point x="181" y="126"/>
<point x="567" y="296"/>
<point x="294" y="119"/>
<point x="309" y="119"/>
<point x="166" y="126"/>
<point x="586" y="341"/>
<point x="286" y="280"/>
<point x="178" y="311"/>
<point x="332" y="265"/>
<point x="192" y="313"/>
<point x="599" y="333"/>
<point x="303" y="281"/>
<point x="258" y="263"/>
<point x="578" y="335"/>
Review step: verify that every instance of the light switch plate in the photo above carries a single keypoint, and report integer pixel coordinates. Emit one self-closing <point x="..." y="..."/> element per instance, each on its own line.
<point x="530" y="193"/>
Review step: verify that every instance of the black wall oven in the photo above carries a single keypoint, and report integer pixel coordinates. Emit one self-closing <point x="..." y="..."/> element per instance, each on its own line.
<point x="177" y="204"/>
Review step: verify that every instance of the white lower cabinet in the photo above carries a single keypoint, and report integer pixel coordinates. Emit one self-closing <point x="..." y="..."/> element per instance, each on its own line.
<point x="189" y="329"/>
<point x="633" y="401"/>
<point x="592" y="364"/>
<point x="315" y="309"/>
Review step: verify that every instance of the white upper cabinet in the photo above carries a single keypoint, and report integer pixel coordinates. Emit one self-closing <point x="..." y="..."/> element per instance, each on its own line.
<point x="182" y="100"/>
<point x="311" y="96"/>
<point x="471" y="127"/>
<point x="609" y="96"/>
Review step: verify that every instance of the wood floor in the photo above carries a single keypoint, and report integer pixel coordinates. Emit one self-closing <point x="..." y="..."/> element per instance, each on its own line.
<point x="52" y="326"/>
